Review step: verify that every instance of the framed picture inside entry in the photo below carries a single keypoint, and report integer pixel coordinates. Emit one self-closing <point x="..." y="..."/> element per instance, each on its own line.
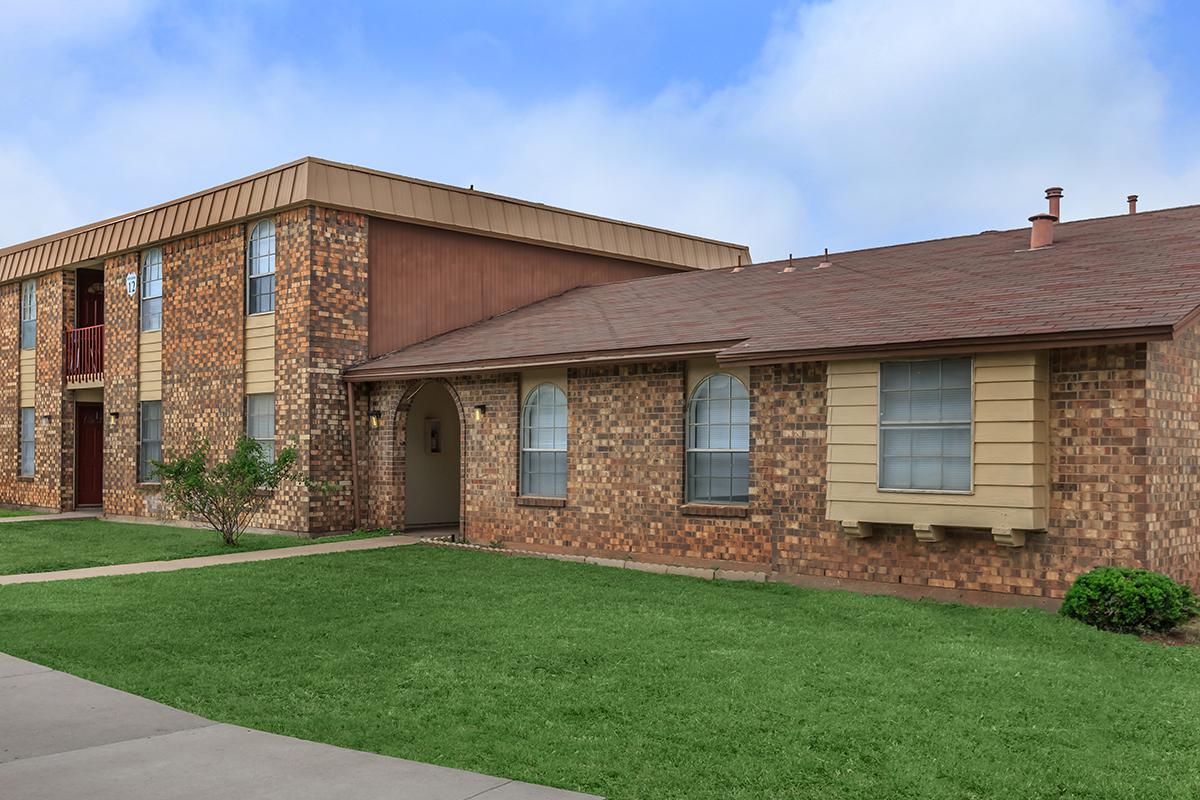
<point x="433" y="436"/>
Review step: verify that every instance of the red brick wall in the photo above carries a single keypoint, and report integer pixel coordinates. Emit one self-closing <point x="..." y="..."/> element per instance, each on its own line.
<point x="1173" y="401"/>
<point x="45" y="488"/>
<point x="203" y="341"/>
<point x="625" y="485"/>
<point x="121" y="493"/>
<point x="320" y="328"/>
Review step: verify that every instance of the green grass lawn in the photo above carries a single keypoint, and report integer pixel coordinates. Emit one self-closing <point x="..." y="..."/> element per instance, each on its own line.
<point x="14" y="512"/>
<point x="65" y="544"/>
<point x="633" y="685"/>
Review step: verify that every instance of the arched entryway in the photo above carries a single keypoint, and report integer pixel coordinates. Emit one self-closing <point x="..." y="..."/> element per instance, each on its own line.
<point x="432" y="460"/>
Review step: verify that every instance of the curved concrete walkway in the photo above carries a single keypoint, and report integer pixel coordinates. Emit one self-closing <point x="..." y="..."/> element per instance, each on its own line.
<point x="62" y="736"/>
<point x="373" y="543"/>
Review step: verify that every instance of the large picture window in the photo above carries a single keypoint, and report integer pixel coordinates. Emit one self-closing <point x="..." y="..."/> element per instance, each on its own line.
<point x="260" y="422"/>
<point x="152" y="290"/>
<point x="29" y="315"/>
<point x="925" y="425"/>
<point x="718" y="441"/>
<point x="544" y="442"/>
<point x="149" y="439"/>
<point x="27" y="442"/>
<point x="260" y="268"/>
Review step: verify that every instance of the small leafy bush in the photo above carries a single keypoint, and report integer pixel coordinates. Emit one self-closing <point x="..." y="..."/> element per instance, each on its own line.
<point x="1128" y="600"/>
<point x="228" y="494"/>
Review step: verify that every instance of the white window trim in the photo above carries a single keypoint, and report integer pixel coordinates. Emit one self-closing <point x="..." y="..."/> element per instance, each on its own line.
<point x="879" y="426"/>
<point x="143" y="297"/>
<point x="688" y="447"/>
<point x="31" y="286"/>
<point x="522" y="449"/>
<point x="251" y="227"/>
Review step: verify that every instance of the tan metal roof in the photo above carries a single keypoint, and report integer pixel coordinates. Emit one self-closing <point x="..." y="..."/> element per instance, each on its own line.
<point x="326" y="183"/>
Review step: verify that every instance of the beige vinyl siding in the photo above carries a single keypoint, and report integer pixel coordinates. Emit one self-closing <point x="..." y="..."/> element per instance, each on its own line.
<point x="260" y="353"/>
<point x="150" y="365"/>
<point x="28" y="377"/>
<point x="700" y="368"/>
<point x="1010" y="409"/>
<point x="532" y="378"/>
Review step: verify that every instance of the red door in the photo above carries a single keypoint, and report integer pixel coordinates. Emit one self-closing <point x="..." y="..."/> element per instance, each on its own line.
<point x="89" y="454"/>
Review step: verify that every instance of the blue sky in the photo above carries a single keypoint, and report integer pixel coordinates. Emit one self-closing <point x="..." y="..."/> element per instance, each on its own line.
<point x="789" y="126"/>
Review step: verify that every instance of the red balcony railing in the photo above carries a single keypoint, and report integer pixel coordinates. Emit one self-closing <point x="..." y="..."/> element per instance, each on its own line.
<point x="85" y="354"/>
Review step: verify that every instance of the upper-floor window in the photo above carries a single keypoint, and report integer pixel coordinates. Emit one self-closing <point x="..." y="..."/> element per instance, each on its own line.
<point x="29" y="314"/>
<point x="925" y="425"/>
<point x="260" y="268"/>
<point x="152" y="290"/>
<point x="544" y="442"/>
<point x="718" y="441"/>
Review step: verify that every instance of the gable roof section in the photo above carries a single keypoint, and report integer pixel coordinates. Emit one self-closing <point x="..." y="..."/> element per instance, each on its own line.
<point x="1133" y="277"/>
<point x="313" y="181"/>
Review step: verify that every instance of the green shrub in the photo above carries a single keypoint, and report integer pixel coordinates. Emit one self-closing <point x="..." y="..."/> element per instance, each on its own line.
<point x="1129" y="600"/>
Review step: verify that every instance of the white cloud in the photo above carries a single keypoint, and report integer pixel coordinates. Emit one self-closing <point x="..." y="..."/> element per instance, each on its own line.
<point x="860" y="123"/>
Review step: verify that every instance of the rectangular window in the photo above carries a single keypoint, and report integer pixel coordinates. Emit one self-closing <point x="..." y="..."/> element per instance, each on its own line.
<point x="152" y="290"/>
<point x="28" y="315"/>
<point x="260" y="422"/>
<point x="27" y="446"/>
<point x="260" y="269"/>
<point x="925" y="425"/>
<point x="149" y="439"/>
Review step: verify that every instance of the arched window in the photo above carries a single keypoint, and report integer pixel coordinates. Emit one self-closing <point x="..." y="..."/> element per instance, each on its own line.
<point x="152" y="290"/>
<point x="718" y="441"/>
<point x="260" y="268"/>
<point x="544" y="442"/>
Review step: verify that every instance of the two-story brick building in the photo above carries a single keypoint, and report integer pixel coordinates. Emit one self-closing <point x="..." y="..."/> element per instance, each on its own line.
<point x="236" y="310"/>
<point x="972" y="417"/>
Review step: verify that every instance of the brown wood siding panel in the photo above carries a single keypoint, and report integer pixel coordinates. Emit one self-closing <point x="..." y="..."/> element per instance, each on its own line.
<point x="426" y="281"/>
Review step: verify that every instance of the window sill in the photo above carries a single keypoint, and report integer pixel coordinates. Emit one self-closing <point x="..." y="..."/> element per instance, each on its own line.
<point x="148" y="485"/>
<point x="26" y="478"/>
<point x="541" y="502"/>
<point x="714" y="510"/>
<point x="926" y="491"/>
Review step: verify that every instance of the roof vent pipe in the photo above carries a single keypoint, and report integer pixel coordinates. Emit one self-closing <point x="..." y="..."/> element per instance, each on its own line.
<point x="1132" y="203"/>
<point x="1054" y="195"/>
<point x="1042" y="232"/>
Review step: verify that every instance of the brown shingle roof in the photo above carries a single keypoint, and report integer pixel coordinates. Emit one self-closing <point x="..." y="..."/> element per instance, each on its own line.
<point x="313" y="181"/>
<point x="1115" y="278"/>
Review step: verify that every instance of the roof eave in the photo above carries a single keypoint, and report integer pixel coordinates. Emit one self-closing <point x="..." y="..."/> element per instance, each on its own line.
<point x="955" y="346"/>
<point x="366" y="374"/>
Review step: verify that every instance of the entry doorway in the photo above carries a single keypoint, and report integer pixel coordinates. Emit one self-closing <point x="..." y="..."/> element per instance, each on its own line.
<point x="89" y="454"/>
<point x="432" y="459"/>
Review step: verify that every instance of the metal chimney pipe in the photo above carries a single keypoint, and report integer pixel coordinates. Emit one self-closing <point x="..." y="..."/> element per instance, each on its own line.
<point x="1054" y="195"/>
<point x="1042" y="232"/>
<point x="1132" y="203"/>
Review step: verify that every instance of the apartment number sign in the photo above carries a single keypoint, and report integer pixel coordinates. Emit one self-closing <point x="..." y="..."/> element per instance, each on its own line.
<point x="131" y="283"/>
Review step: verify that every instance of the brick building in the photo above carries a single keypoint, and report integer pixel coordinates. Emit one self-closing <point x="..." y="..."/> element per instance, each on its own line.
<point x="237" y="308"/>
<point x="981" y="417"/>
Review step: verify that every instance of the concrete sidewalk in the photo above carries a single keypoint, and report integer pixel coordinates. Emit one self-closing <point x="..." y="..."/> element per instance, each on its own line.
<point x="62" y="736"/>
<point x="52" y="517"/>
<point x="208" y="561"/>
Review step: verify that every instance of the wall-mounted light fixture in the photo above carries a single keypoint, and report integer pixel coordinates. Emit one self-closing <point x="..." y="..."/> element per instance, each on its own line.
<point x="45" y="419"/>
<point x="480" y="410"/>
<point x="374" y="417"/>
<point x="113" y="416"/>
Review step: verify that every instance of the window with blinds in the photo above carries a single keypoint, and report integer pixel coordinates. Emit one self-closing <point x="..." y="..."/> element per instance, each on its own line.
<point x="925" y="425"/>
